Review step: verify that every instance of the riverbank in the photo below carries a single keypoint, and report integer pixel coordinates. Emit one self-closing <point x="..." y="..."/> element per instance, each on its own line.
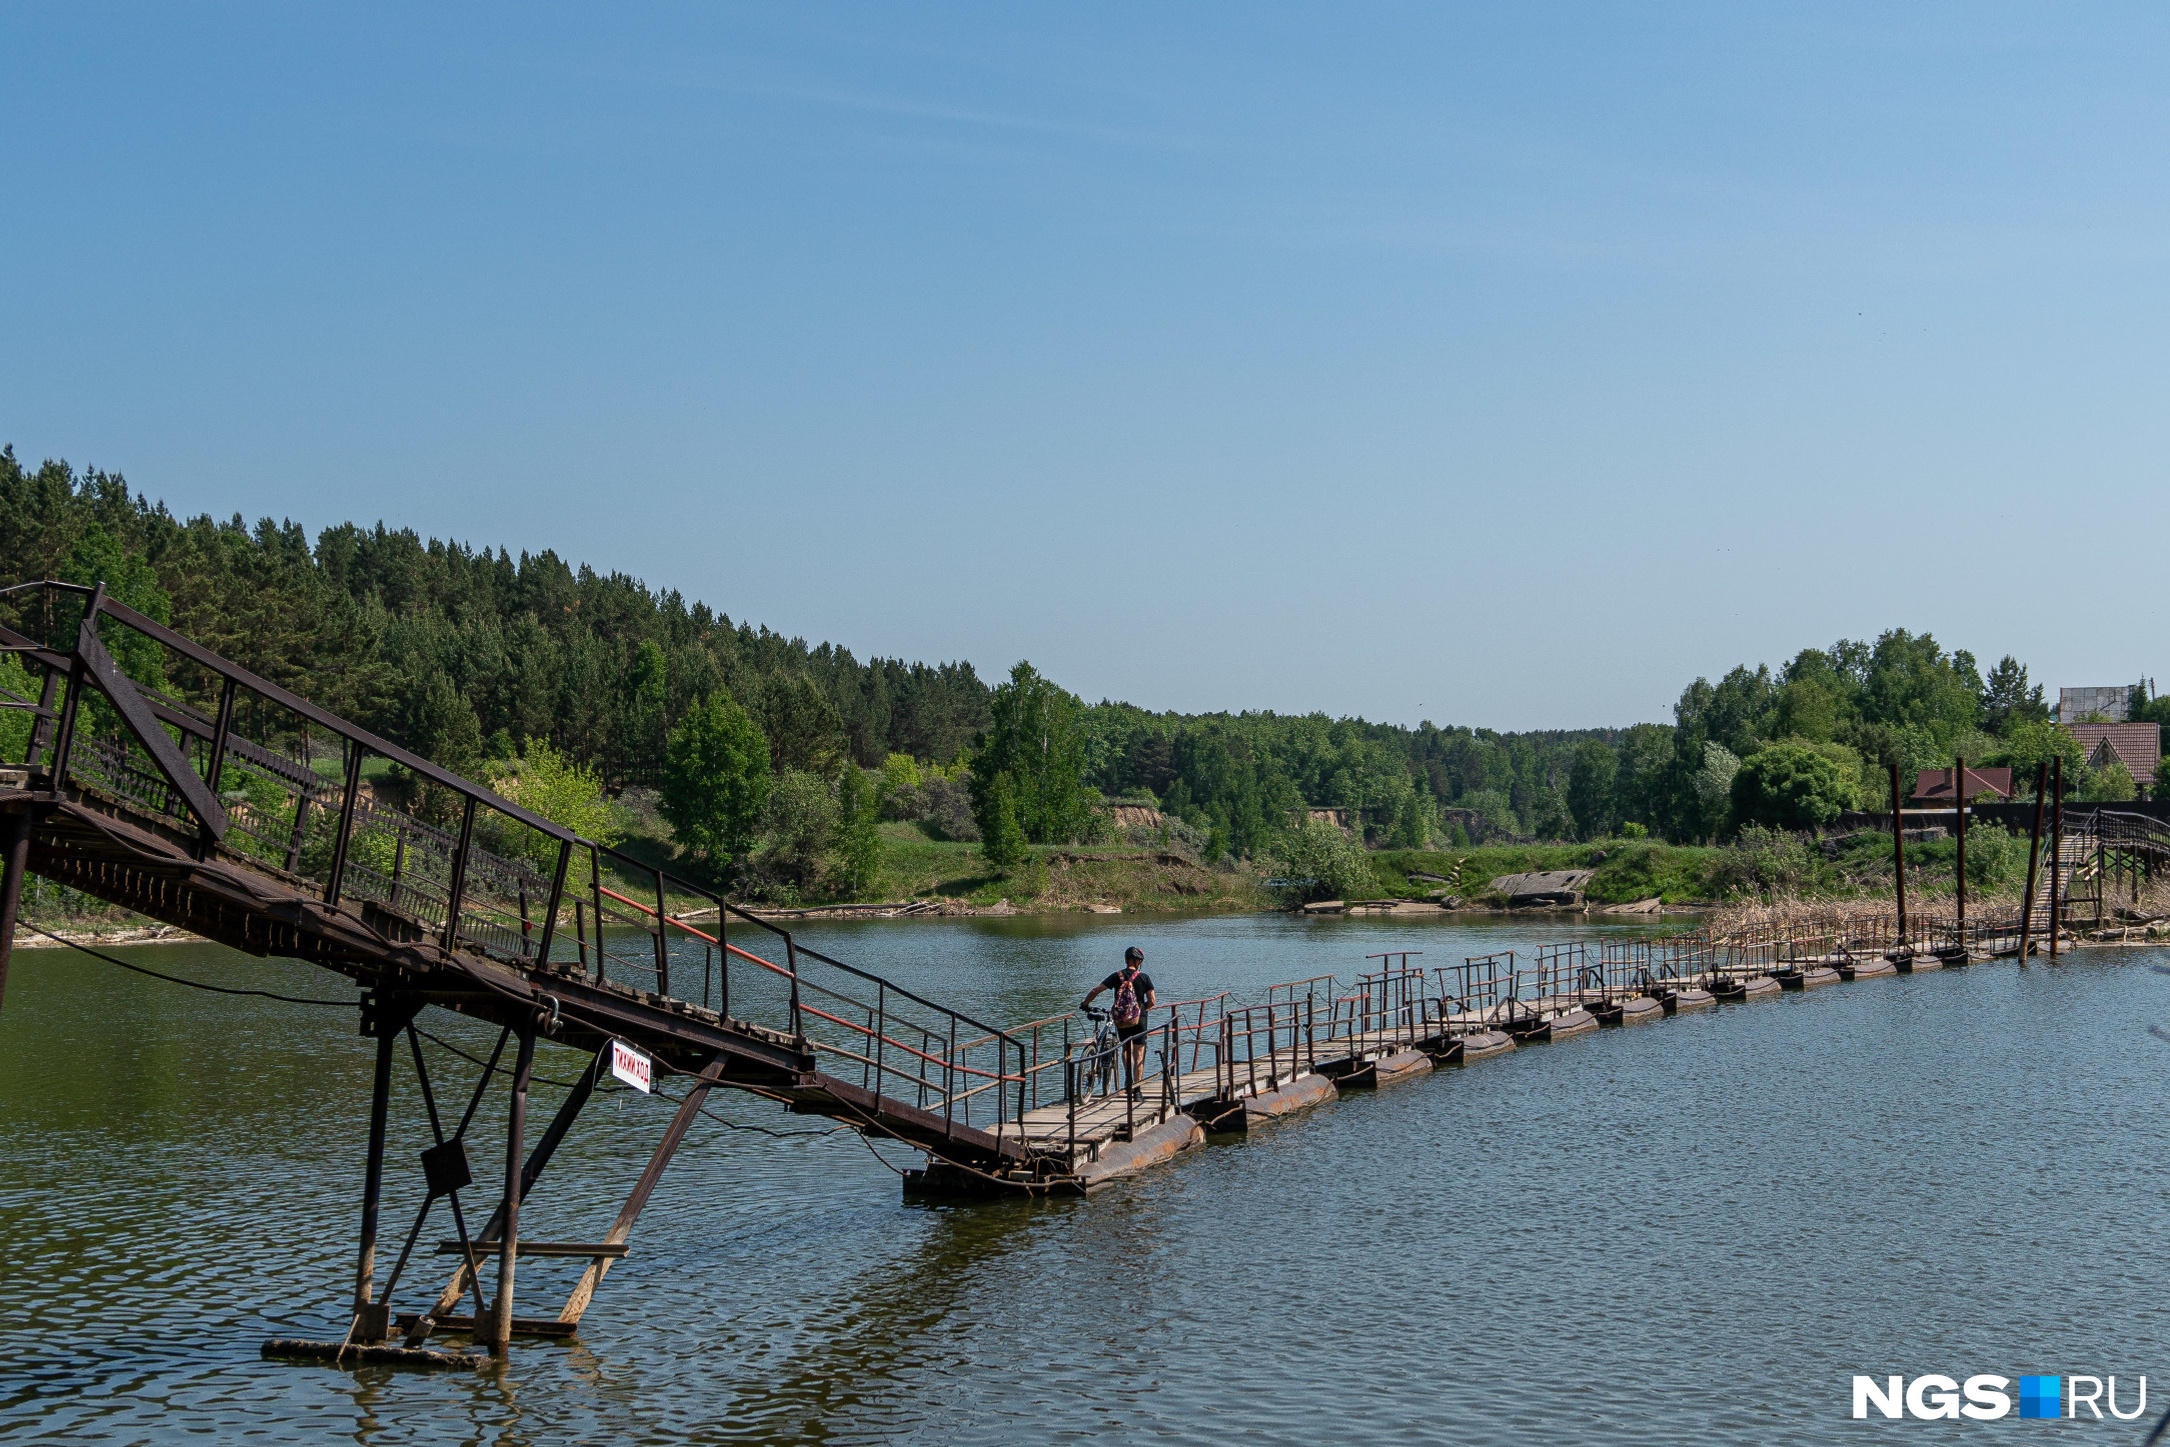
<point x="921" y="877"/>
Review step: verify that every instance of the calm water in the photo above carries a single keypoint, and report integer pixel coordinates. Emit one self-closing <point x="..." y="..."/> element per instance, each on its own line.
<point x="1688" y="1231"/>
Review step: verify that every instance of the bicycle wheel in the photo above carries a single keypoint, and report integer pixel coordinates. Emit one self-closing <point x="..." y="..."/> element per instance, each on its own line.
<point x="1103" y="1066"/>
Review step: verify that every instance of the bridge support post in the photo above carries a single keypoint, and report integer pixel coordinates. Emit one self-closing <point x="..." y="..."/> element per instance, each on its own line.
<point x="15" y="840"/>
<point x="2056" y="853"/>
<point x="1898" y="854"/>
<point x="1959" y="831"/>
<point x="508" y="1247"/>
<point x="385" y="1019"/>
<point x="2034" y="859"/>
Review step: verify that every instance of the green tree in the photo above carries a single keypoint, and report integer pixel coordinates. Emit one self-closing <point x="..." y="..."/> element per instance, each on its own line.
<point x="1789" y="784"/>
<point x="2007" y="699"/>
<point x="1494" y="811"/>
<point x="1816" y="699"/>
<point x="1639" y="781"/>
<point x="1590" y="788"/>
<point x="1713" y="788"/>
<point x="1413" y="819"/>
<point x="647" y="717"/>
<point x="799" y="830"/>
<point x="715" y="781"/>
<point x="1033" y="741"/>
<point x="547" y="782"/>
<point x="995" y="807"/>
<point x="859" y="839"/>
<point x="2030" y="742"/>
<point x="804" y="728"/>
<point x="1910" y="680"/>
<point x="1549" y="815"/>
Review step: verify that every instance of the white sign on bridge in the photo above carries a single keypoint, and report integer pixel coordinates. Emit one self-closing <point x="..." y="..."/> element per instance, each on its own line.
<point x="632" y="1067"/>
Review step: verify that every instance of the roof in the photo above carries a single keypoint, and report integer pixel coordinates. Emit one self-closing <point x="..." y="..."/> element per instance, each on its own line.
<point x="2138" y="746"/>
<point x="1936" y="783"/>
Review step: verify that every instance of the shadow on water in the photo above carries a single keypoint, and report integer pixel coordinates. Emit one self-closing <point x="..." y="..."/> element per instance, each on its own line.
<point x="860" y="1370"/>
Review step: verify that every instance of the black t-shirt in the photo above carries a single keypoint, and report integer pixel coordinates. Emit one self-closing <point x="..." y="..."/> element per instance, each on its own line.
<point x="1141" y="982"/>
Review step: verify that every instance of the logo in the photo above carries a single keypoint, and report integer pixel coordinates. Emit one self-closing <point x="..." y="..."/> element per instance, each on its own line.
<point x="1985" y="1398"/>
<point x="2041" y="1396"/>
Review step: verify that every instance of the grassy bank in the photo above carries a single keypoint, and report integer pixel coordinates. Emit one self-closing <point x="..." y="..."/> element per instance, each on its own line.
<point x="1062" y="877"/>
<point x="1758" y="865"/>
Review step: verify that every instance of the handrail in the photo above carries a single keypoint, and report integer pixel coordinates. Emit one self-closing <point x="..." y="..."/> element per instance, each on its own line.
<point x="382" y="747"/>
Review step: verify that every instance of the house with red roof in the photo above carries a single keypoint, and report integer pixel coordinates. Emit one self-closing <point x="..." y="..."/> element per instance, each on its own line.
<point x="1933" y="786"/>
<point x="2138" y="746"/>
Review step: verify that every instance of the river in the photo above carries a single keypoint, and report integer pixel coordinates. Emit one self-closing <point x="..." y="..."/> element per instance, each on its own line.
<point x="1691" y="1231"/>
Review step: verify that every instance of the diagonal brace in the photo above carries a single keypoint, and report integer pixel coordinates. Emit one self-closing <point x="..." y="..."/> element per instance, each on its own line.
<point x="136" y="713"/>
<point x="577" y="1304"/>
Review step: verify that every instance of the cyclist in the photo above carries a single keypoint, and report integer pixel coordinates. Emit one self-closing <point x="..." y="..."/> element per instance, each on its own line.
<point x="1133" y="990"/>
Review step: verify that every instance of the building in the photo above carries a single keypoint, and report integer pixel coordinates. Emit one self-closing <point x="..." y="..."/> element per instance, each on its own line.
<point x="1933" y="786"/>
<point x="2112" y="703"/>
<point x="2138" y="746"/>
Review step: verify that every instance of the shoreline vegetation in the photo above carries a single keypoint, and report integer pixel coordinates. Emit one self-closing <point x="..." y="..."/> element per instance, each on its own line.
<point x="802" y="780"/>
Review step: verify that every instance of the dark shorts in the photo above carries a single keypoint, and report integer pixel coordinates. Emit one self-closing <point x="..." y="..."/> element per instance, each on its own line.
<point x="1128" y="1033"/>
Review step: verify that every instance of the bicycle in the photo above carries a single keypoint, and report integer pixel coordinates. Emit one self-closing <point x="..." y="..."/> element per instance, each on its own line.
<point x="1096" y="1062"/>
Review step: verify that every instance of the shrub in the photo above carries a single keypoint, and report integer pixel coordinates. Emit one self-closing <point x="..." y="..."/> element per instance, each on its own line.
<point x="800" y="821"/>
<point x="901" y="771"/>
<point x="546" y="782"/>
<point x="1761" y="860"/>
<point x="1995" y="856"/>
<point x="946" y="810"/>
<point x="1327" y="863"/>
<point x="2110" y="784"/>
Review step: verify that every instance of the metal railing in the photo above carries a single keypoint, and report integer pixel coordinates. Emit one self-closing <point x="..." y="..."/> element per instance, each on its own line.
<point x="1263" y="1047"/>
<point x="1478" y="994"/>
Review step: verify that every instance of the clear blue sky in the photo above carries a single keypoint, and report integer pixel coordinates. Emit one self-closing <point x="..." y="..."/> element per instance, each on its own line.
<point x="1503" y="365"/>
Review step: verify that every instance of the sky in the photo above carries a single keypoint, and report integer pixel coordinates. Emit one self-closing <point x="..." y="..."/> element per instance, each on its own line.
<point x="1506" y="366"/>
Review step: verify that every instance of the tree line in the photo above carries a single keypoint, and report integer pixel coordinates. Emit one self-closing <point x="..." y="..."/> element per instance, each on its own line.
<point x="475" y="656"/>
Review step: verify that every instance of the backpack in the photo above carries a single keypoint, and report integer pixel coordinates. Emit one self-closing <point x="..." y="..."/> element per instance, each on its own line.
<point x="1127" y="1009"/>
